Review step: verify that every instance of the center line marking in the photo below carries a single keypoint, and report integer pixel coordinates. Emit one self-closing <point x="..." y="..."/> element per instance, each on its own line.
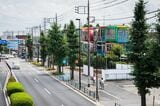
<point x="36" y="80"/>
<point x="47" y="91"/>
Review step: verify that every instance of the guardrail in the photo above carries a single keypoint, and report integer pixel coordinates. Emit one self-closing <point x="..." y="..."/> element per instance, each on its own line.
<point x="84" y="89"/>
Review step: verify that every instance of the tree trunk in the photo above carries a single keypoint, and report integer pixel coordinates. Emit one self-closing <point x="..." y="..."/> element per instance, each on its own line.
<point x="48" y="61"/>
<point x="43" y="61"/>
<point x="59" y="69"/>
<point x="143" y="97"/>
<point x="72" y="74"/>
<point x="52" y="62"/>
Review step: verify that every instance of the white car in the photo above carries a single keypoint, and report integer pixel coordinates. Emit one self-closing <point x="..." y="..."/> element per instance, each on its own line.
<point x="15" y="65"/>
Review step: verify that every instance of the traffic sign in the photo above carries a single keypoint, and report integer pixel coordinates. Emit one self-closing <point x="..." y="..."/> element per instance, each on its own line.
<point x="3" y="42"/>
<point x="13" y="44"/>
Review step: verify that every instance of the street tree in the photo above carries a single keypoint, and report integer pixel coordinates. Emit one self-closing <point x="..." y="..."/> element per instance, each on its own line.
<point x="145" y="71"/>
<point x="57" y="46"/>
<point x="29" y="45"/>
<point x="157" y="45"/>
<point x="43" y="47"/>
<point x="72" y="40"/>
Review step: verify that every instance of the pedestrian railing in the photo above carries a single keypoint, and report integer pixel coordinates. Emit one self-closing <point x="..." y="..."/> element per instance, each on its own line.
<point x="74" y="84"/>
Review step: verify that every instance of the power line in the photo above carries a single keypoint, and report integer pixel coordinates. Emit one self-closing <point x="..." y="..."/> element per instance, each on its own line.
<point x="102" y="3"/>
<point x="122" y="18"/>
<point x="115" y="4"/>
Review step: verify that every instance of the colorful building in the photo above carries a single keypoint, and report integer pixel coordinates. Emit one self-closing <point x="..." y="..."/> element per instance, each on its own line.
<point x="105" y="37"/>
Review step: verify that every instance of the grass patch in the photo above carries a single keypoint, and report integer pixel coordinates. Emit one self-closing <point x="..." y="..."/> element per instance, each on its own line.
<point x="57" y="73"/>
<point x="36" y="63"/>
<point x="12" y="79"/>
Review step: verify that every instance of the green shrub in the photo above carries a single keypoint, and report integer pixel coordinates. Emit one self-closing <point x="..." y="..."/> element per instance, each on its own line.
<point x="21" y="99"/>
<point x="12" y="79"/>
<point x="13" y="87"/>
<point x="36" y="63"/>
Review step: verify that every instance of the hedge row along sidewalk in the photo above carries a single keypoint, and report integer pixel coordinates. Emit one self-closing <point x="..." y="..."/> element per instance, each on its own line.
<point x="17" y="94"/>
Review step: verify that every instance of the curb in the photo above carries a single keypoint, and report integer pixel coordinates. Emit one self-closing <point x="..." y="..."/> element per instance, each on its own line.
<point x="4" y="88"/>
<point x="74" y="89"/>
<point x="97" y="103"/>
<point x="10" y="72"/>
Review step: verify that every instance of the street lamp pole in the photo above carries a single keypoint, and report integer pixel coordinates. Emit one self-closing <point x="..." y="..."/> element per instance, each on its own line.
<point x="79" y="56"/>
<point x="88" y="44"/>
<point x="38" y="45"/>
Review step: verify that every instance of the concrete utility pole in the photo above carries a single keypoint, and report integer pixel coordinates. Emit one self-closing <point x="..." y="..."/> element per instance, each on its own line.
<point x="77" y="10"/>
<point x="45" y="22"/>
<point x="79" y="59"/>
<point x="89" y="63"/>
<point x="56" y="19"/>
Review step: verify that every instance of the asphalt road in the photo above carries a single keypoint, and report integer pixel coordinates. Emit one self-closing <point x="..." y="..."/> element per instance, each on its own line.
<point x="45" y="90"/>
<point x="3" y="75"/>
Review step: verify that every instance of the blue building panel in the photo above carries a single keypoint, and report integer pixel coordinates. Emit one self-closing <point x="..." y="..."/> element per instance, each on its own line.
<point x="122" y="36"/>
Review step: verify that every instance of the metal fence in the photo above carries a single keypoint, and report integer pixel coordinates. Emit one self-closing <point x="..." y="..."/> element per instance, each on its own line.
<point x="74" y="84"/>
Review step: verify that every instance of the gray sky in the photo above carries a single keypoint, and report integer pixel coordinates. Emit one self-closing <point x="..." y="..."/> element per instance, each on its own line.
<point x="20" y="14"/>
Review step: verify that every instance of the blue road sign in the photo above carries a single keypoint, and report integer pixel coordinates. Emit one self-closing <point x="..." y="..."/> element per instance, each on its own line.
<point x="3" y="42"/>
<point x="13" y="44"/>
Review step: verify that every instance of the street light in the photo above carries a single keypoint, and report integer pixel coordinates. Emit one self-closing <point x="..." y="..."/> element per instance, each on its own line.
<point x="79" y="56"/>
<point x="38" y="44"/>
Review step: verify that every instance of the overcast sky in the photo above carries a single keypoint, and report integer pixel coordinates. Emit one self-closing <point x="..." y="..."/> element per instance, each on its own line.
<point x="20" y="14"/>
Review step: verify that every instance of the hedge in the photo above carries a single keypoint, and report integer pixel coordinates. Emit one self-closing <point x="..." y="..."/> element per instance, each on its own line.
<point x="21" y="99"/>
<point x="13" y="87"/>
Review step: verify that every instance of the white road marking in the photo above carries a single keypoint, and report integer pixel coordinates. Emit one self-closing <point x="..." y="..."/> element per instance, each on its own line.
<point x="110" y="94"/>
<point x="62" y="105"/>
<point x="36" y="80"/>
<point x="47" y="91"/>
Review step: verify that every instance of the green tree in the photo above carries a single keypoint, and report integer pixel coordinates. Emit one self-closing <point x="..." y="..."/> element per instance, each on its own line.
<point x="117" y="50"/>
<point x="157" y="45"/>
<point x="43" y="49"/>
<point x="145" y="71"/>
<point x="72" y="39"/>
<point x="29" y="45"/>
<point x="99" y="62"/>
<point x="57" y="46"/>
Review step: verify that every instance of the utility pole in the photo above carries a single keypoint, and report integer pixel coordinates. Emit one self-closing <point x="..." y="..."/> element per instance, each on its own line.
<point x="103" y="20"/>
<point x="56" y="19"/>
<point x="32" y="34"/>
<point x="88" y="44"/>
<point x="79" y="56"/>
<point x="77" y="10"/>
<point x="45" y="22"/>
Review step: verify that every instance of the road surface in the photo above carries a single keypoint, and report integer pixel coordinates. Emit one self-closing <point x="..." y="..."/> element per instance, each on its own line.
<point x="45" y="90"/>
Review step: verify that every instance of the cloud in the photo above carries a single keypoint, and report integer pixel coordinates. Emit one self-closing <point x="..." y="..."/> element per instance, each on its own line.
<point x="19" y="14"/>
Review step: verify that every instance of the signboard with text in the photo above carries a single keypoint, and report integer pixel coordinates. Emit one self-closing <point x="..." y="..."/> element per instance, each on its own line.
<point x="13" y="44"/>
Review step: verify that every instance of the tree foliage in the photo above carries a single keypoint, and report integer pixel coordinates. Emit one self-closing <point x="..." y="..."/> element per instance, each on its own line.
<point x="157" y="41"/>
<point x="99" y="62"/>
<point x="145" y="70"/>
<point x="29" y="45"/>
<point x="57" y="46"/>
<point x="43" y="49"/>
<point x="72" y="40"/>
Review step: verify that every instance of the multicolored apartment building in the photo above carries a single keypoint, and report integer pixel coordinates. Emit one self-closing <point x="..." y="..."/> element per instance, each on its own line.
<point x="103" y="38"/>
